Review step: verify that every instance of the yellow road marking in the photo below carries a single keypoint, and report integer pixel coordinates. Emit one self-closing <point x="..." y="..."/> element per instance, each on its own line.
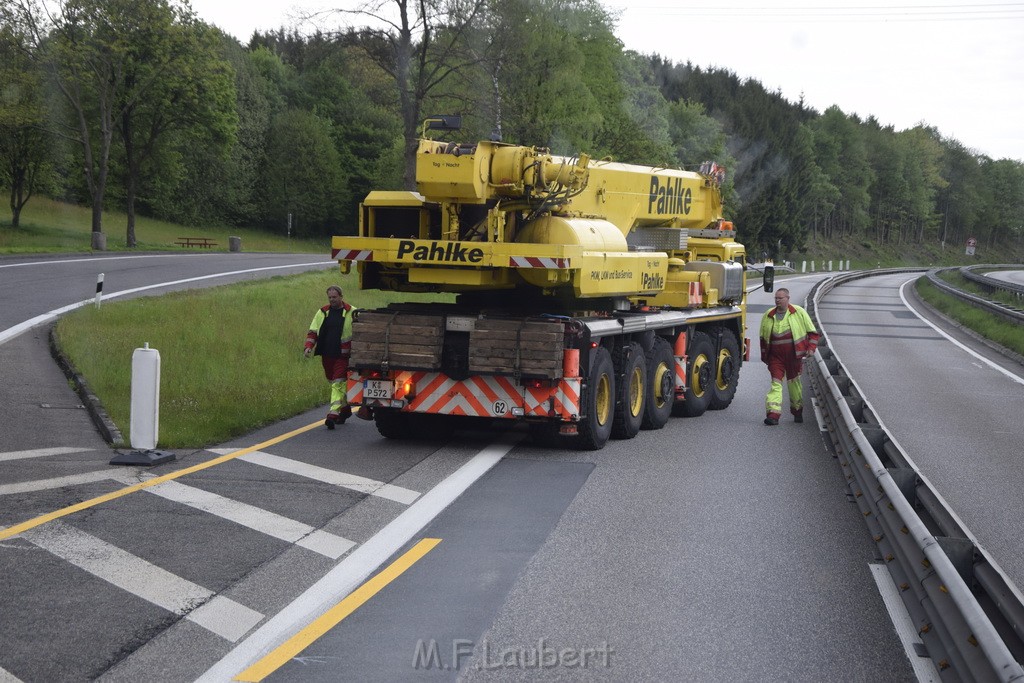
<point x="113" y="495"/>
<point x="332" y="617"/>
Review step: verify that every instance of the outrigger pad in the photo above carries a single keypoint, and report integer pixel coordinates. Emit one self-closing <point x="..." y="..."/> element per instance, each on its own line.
<point x="142" y="458"/>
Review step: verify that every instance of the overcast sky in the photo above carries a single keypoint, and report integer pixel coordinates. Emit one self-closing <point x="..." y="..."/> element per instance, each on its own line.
<point x="958" y="66"/>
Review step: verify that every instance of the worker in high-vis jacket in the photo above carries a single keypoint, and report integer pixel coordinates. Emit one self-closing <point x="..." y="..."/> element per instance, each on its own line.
<point x="787" y="337"/>
<point x="330" y="337"/>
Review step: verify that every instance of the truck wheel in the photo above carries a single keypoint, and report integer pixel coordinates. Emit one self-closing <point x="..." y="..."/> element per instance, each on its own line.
<point x="661" y="385"/>
<point x="727" y="372"/>
<point x="629" y="406"/>
<point x="393" y="424"/>
<point x="700" y="378"/>
<point x="598" y="402"/>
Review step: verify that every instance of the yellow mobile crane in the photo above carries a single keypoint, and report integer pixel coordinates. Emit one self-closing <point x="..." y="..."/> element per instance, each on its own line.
<point x="595" y="298"/>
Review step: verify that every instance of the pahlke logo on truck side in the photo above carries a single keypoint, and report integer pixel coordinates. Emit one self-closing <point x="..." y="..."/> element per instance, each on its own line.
<point x="453" y="252"/>
<point x="669" y="197"/>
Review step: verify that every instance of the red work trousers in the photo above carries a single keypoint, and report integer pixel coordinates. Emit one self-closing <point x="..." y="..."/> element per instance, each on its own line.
<point x="336" y="371"/>
<point x="783" y="364"/>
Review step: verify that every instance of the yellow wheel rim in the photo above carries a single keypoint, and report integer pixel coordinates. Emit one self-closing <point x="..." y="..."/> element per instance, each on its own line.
<point x="636" y="392"/>
<point x="604" y="400"/>
<point x="723" y="357"/>
<point x="700" y="364"/>
<point x="660" y="384"/>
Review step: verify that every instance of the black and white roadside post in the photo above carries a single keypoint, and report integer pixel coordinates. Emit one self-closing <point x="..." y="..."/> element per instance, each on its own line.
<point x="99" y="289"/>
<point x="145" y="411"/>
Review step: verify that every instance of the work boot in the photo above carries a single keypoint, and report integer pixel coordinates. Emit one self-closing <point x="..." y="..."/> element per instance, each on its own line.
<point x="771" y="420"/>
<point x="364" y="413"/>
<point x="332" y="418"/>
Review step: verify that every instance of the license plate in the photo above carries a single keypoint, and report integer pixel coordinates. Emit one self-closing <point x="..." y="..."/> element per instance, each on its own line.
<point x="377" y="388"/>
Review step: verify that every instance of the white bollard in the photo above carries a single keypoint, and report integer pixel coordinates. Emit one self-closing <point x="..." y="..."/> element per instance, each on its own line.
<point x="803" y="266"/>
<point x="99" y="289"/>
<point x="145" y="407"/>
<point x="830" y="266"/>
<point x="812" y="266"/>
<point x="847" y="264"/>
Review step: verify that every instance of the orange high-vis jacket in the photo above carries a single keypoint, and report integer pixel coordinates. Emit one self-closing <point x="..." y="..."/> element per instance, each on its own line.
<point x="805" y="336"/>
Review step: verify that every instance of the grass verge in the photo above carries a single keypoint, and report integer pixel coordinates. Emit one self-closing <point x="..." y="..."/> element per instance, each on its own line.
<point x="48" y="226"/>
<point x="987" y="324"/>
<point x="231" y="356"/>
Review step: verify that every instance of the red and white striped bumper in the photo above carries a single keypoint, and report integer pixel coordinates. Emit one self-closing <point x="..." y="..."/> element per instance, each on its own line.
<point x="478" y="396"/>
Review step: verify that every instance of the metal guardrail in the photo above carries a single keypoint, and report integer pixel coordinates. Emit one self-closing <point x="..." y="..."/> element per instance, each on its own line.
<point x="1011" y="313"/>
<point x="990" y="283"/>
<point x="969" y="615"/>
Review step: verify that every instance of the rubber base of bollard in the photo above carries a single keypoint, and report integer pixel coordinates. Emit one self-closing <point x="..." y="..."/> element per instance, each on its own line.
<point x="142" y="458"/>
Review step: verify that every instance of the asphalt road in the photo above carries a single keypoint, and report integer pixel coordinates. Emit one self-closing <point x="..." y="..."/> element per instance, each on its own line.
<point x="714" y="549"/>
<point x="955" y="410"/>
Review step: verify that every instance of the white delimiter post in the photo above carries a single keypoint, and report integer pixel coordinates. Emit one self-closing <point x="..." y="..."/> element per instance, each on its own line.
<point x="145" y="408"/>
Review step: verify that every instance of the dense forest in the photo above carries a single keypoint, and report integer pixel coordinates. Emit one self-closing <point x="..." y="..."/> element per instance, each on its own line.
<point x="139" y="105"/>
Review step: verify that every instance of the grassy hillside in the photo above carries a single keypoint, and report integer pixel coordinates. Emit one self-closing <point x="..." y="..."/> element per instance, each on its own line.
<point x="50" y="226"/>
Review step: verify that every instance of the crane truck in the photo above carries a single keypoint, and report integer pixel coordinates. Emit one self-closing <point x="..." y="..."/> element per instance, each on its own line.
<point x="593" y="298"/>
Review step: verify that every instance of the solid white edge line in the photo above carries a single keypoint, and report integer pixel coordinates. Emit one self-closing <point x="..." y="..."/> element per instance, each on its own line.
<point x="1015" y="378"/>
<point x="351" y="572"/>
<point x="19" y="329"/>
<point x="924" y="668"/>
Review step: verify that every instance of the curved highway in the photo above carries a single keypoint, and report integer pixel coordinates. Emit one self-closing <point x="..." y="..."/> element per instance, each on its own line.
<point x="714" y="549"/>
<point x="953" y="406"/>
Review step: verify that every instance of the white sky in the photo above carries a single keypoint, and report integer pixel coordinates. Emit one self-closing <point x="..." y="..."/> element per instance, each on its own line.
<point x="957" y="65"/>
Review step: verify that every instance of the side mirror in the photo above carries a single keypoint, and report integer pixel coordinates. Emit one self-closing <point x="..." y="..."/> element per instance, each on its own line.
<point x="769" y="278"/>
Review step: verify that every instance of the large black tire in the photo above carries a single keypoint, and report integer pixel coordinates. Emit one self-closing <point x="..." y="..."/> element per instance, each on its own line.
<point x="661" y="385"/>
<point x="598" y="402"/>
<point x="392" y="424"/>
<point x="631" y="367"/>
<point x="700" y="377"/>
<point x="727" y="371"/>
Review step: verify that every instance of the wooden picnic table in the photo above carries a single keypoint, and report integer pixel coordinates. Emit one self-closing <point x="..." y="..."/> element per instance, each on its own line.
<point x="202" y="242"/>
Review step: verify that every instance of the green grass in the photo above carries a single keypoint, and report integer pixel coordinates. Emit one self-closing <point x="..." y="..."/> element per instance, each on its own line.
<point x="984" y="323"/>
<point x="231" y="356"/>
<point x="55" y="227"/>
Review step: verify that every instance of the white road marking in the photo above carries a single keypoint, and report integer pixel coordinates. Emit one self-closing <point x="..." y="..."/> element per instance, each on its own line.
<point x="12" y="332"/>
<point x="255" y="518"/>
<point x="986" y="361"/>
<point x="351" y="572"/>
<point x="218" y="614"/>
<point x="41" y="453"/>
<point x="328" y="476"/>
<point x="55" y="483"/>
<point x="7" y="677"/>
<point x="924" y="668"/>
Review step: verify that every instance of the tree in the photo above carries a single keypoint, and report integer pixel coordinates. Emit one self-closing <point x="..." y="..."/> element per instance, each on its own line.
<point x="173" y="80"/>
<point x="24" y="158"/>
<point x="840" y="153"/>
<point x="303" y="175"/>
<point x="420" y="45"/>
<point x="89" y="48"/>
